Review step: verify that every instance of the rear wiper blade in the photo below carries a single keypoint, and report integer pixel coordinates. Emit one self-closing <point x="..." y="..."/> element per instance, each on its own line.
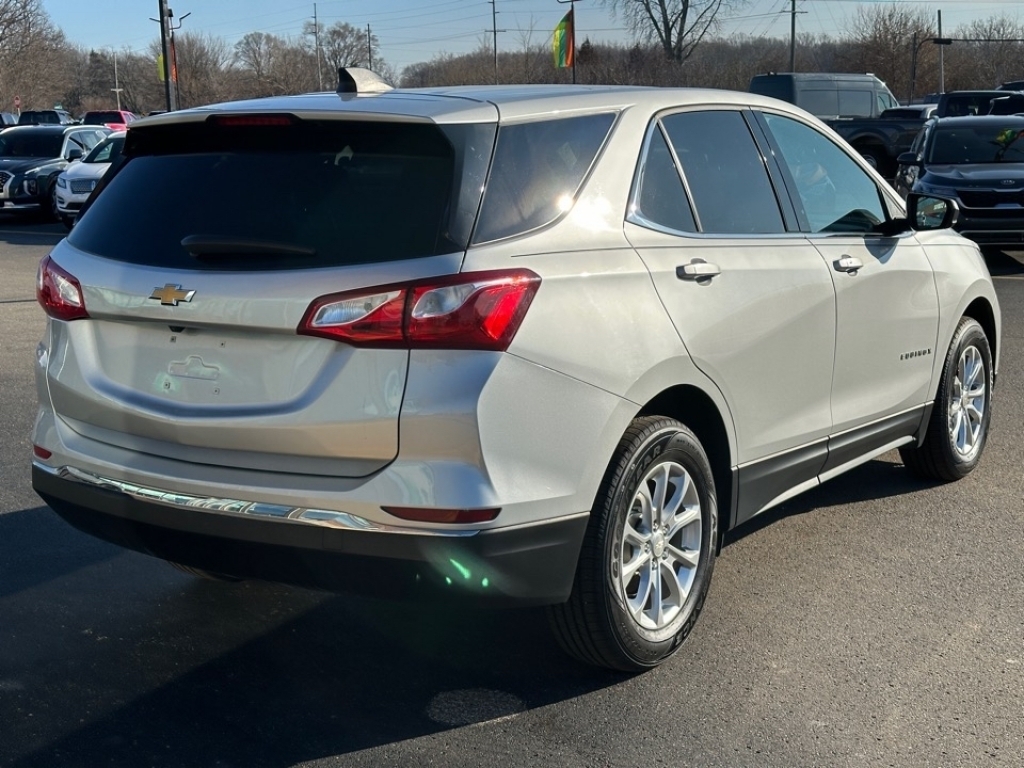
<point x="217" y="246"/>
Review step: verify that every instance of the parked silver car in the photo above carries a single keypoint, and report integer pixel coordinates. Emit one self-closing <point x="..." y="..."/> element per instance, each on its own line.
<point x="523" y="344"/>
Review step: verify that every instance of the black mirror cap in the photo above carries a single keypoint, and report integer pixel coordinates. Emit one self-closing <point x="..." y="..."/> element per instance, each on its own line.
<point x="75" y="154"/>
<point x="908" y="158"/>
<point x="927" y="212"/>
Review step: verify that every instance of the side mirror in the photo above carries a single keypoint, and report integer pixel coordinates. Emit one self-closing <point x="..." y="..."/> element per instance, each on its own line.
<point x="927" y="212"/>
<point x="908" y="158"/>
<point x="75" y="153"/>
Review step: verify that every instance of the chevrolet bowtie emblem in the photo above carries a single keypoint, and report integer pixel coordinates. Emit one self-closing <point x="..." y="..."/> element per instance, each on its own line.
<point x="171" y="294"/>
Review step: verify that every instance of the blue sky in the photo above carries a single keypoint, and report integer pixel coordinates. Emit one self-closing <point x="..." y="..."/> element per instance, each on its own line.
<point x="416" y="30"/>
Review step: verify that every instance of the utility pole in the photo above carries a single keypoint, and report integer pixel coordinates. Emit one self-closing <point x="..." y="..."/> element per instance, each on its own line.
<point x="494" y="30"/>
<point x="169" y="68"/>
<point x="369" y="49"/>
<point x="942" y="65"/>
<point x="316" y="42"/>
<point x="792" y="37"/>
<point x="117" y="89"/>
<point x="169" y="74"/>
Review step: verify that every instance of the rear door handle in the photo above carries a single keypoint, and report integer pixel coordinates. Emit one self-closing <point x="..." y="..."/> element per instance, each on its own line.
<point x="698" y="269"/>
<point x="848" y="264"/>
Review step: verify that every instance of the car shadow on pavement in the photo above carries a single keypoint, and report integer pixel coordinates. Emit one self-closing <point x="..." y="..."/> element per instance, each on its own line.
<point x="29" y="230"/>
<point x="113" y="658"/>
<point x="1002" y="263"/>
<point x="877" y="479"/>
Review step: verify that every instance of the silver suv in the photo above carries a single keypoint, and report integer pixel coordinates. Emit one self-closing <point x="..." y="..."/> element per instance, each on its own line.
<point x="526" y="345"/>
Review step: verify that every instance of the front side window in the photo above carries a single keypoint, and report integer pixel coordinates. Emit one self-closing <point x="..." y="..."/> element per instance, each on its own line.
<point x="836" y="194"/>
<point x="537" y="170"/>
<point x="725" y="173"/>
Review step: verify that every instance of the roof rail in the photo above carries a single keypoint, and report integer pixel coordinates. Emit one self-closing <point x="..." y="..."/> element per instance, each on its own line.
<point x="360" y="80"/>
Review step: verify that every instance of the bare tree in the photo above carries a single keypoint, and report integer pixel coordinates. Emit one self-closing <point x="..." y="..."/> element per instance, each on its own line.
<point x="890" y="41"/>
<point x="342" y="45"/>
<point x="36" y="62"/>
<point x="201" y="61"/>
<point x="678" y="26"/>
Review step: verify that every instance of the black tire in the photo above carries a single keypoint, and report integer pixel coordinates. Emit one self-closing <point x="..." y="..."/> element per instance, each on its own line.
<point x="202" y="573"/>
<point x="49" y="209"/>
<point x="877" y="159"/>
<point x="597" y="625"/>
<point x="954" y="441"/>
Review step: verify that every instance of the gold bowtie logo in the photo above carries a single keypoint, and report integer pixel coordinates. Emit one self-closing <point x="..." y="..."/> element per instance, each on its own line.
<point x="171" y="294"/>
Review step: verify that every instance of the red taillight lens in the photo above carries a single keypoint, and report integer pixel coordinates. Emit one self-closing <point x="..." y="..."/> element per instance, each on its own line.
<point x="41" y="452"/>
<point x="58" y="292"/>
<point x="479" y="310"/>
<point x="453" y="516"/>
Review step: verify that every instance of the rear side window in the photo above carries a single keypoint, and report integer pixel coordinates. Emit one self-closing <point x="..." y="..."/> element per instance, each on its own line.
<point x="660" y="198"/>
<point x="537" y="170"/>
<point x="823" y="103"/>
<point x="300" y="195"/>
<point x="855" y="103"/>
<point x="725" y="173"/>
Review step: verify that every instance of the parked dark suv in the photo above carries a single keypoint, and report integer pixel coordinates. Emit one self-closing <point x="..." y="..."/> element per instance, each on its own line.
<point x="31" y="159"/>
<point x="45" y="117"/>
<point x="977" y="161"/>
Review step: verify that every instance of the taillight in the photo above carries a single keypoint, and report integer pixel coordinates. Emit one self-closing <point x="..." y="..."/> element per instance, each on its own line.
<point x="58" y="292"/>
<point x="478" y="310"/>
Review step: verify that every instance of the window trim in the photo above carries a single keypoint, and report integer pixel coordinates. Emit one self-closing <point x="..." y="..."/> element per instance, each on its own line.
<point x="789" y="218"/>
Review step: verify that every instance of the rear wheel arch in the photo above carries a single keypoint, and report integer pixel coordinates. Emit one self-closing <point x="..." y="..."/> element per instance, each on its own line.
<point x="698" y="411"/>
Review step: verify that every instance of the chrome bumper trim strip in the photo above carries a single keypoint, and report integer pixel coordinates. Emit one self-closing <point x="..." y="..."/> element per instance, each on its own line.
<point x="237" y="507"/>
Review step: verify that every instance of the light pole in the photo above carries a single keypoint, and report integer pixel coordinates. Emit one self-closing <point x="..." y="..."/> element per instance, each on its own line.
<point x="117" y="86"/>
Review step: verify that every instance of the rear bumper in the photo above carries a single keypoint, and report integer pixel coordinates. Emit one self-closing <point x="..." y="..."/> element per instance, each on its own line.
<point x="525" y="565"/>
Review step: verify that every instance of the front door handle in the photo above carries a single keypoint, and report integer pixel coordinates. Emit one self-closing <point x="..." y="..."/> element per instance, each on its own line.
<point x="848" y="264"/>
<point x="698" y="269"/>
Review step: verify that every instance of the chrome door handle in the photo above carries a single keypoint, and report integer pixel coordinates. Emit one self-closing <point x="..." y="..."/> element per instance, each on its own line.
<point x="698" y="269"/>
<point x="848" y="264"/>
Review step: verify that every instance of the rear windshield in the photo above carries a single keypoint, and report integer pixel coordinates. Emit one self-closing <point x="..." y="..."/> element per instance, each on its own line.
<point x="302" y="195"/>
<point x="30" y="145"/>
<point x="100" y="118"/>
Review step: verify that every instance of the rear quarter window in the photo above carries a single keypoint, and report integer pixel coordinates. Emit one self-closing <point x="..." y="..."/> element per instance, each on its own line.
<point x="537" y="170"/>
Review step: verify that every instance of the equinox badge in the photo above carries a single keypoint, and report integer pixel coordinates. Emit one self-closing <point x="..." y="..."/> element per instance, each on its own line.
<point x="171" y="294"/>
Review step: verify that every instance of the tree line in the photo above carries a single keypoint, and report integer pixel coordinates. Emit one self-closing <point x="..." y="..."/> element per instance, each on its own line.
<point x="42" y="66"/>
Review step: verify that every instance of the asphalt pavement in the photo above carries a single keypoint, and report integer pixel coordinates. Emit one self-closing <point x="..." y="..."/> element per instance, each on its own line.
<point x="875" y="621"/>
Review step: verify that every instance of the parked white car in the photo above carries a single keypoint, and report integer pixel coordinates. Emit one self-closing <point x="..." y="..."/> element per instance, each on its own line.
<point x="79" y="179"/>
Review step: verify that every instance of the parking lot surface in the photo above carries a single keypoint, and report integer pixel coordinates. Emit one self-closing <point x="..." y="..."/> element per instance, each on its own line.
<point x="876" y="620"/>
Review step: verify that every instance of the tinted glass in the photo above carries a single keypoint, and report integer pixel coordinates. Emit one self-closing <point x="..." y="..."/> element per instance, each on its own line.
<point x="313" y="194"/>
<point x="104" y="151"/>
<point x="34" y="145"/>
<point x="836" y="194"/>
<point x="725" y="172"/>
<point x="99" y="118"/>
<point x="994" y="142"/>
<point x="856" y="103"/>
<point x="660" y="197"/>
<point x="823" y="103"/>
<point x="537" y="170"/>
